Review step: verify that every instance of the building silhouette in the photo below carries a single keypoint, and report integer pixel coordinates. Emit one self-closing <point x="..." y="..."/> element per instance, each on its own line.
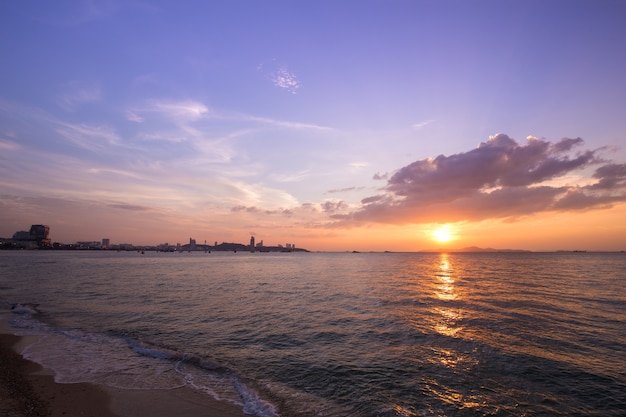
<point x="37" y="236"/>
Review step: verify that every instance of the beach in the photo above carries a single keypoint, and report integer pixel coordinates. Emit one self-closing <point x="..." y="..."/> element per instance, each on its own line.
<point x="28" y="390"/>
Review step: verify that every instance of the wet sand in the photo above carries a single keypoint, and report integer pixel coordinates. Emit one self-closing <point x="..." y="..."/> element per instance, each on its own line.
<point x="28" y="390"/>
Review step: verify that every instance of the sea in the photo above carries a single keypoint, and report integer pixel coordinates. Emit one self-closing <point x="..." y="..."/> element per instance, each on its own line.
<point x="333" y="334"/>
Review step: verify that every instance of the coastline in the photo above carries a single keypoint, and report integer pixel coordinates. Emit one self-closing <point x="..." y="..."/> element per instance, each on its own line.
<point x="29" y="390"/>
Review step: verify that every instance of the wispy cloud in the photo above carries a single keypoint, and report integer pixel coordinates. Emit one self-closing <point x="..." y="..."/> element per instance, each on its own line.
<point x="134" y="117"/>
<point x="358" y="165"/>
<point x="180" y="110"/>
<point x="291" y="177"/>
<point x="130" y="207"/>
<point x="9" y="145"/>
<point x="499" y="179"/>
<point x="89" y="137"/>
<point x="421" y="125"/>
<point x="95" y="137"/>
<point x="169" y="120"/>
<point x="112" y="171"/>
<point x="285" y="123"/>
<point x="344" y="190"/>
<point x="77" y="93"/>
<point x="260" y="195"/>
<point x="184" y="112"/>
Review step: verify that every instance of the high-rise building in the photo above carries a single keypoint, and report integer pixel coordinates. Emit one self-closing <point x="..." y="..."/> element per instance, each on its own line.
<point x="251" y="243"/>
<point x="39" y="233"/>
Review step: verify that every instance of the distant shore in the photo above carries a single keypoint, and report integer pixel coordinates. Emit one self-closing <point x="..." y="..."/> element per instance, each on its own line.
<point x="10" y="244"/>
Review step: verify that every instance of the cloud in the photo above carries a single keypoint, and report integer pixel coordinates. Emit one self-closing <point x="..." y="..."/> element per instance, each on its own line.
<point x="357" y="166"/>
<point x="131" y="207"/>
<point x="78" y="93"/>
<point x="188" y="113"/>
<point x="285" y="79"/>
<point x="242" y="208"/>
<point x="378" y="176"/>
<point x="420" y="125"/>
<point x="292" y="177"/>
<point x="9" y="145"/>
<point x="173" y="121"/>
<point x="180" y="113"/>
<point x="610" y="176"/>
<point x="285" y="124"/>
<point x="344" y="190"/>
<point x="498" y="179"/>
<point x="131" y="116"/>
<point x="331" y="206"/>
<point x="185" y="110"/>
<point x="256" y="195"/>
<point x="255" y="211"/>
<point x="89" y="137"/>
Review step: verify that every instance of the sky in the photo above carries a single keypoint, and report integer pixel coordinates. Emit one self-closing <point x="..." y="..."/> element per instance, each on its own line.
<point x="330" y="124"/>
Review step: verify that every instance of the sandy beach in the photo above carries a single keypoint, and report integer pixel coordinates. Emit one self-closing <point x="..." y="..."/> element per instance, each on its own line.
<point x="28" y="390"/>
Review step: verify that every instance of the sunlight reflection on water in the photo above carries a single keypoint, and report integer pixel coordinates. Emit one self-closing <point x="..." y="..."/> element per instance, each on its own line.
<point x="446" y="290"/>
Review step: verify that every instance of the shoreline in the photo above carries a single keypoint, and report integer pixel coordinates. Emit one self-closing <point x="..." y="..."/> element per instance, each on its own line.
<point x="29" y="390"/>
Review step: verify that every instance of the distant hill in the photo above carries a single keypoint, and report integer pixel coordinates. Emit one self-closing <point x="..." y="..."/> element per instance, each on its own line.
<point x="476" y="249"/>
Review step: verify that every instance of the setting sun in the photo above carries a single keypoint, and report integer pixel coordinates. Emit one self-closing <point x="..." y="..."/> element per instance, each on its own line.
<point x="442" y="234"/>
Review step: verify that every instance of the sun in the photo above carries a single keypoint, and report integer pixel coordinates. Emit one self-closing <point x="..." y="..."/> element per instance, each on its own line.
<point x="443" y="234"/>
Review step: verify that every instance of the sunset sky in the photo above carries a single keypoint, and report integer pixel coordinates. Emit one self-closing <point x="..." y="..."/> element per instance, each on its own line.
<point x="333" y="125"/>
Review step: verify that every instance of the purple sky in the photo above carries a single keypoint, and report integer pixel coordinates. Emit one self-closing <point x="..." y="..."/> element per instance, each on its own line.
<point x="218" y="119"/>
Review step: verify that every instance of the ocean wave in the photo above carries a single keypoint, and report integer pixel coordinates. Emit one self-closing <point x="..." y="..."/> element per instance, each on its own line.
<point x="25" y="308"/>
<point x="125" y="363"/>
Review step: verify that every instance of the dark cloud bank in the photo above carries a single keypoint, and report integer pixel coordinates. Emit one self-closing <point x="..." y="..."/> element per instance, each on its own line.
<point x="499" y="179"/>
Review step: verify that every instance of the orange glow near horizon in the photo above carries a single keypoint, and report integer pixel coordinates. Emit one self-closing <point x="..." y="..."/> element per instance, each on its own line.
<point x="596" y="230"/>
